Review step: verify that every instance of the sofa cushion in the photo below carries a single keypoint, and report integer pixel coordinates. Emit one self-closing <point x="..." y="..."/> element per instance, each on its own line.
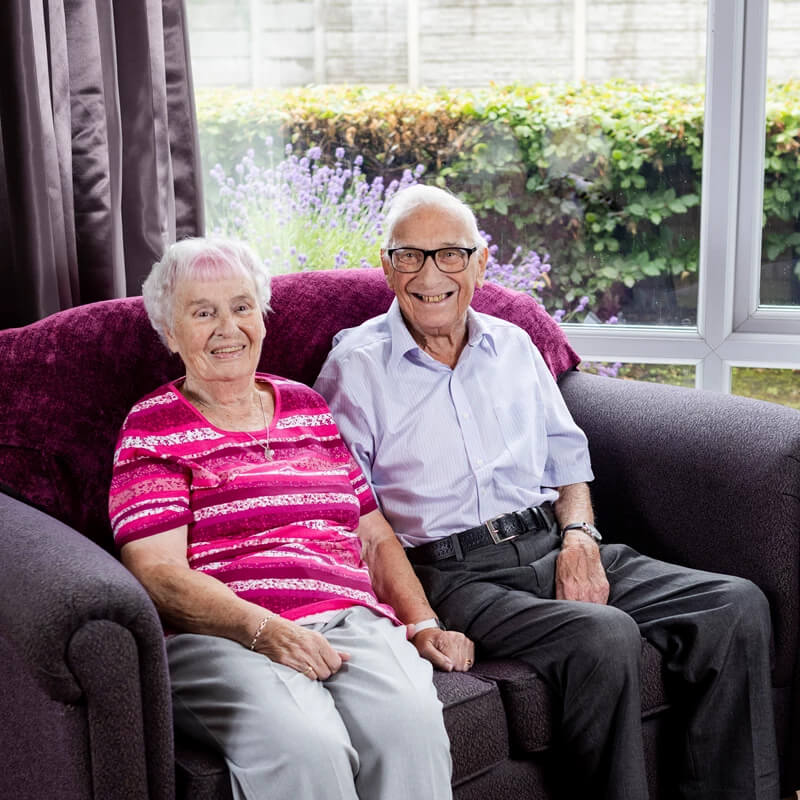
<point x="476" y="722"/>
<point x="299" y="336"/>
<point x="529" y="705"/>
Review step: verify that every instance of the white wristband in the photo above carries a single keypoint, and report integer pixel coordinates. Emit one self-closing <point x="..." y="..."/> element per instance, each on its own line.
<point x="433" y="622"/>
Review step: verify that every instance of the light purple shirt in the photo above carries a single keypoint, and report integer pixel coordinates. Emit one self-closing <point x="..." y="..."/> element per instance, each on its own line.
<point x="446" y="449"/>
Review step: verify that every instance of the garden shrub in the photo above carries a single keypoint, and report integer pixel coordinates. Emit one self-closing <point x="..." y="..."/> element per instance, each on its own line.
<point x="604" y="178"/>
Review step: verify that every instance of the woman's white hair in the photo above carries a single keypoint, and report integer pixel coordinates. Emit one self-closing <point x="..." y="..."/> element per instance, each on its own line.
<point x="409" y="200"/>
<point x="199" y="258"/>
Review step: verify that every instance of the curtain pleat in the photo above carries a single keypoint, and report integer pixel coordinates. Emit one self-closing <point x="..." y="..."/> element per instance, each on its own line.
<point x="99" y="165"/>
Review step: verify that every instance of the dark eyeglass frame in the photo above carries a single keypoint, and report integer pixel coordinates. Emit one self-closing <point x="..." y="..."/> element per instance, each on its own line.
<point x="468" y="251"/>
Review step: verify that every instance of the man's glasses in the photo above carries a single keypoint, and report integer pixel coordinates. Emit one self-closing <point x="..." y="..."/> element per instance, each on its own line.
<point x="447" y="259"/>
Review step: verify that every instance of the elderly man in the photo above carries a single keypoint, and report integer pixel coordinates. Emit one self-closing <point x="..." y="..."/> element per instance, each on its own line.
<point x="455" y="420"/>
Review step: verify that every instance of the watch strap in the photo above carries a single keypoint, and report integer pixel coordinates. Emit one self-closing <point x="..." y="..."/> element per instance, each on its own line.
<point x="586" y="527"/>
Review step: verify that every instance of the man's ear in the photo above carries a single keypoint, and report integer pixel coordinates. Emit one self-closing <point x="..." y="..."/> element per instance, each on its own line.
<point x="483" y="258"/>
<point x="387" y="269"/>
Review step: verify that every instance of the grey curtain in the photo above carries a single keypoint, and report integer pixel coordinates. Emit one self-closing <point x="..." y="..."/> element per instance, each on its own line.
<point x="99" y="165"/>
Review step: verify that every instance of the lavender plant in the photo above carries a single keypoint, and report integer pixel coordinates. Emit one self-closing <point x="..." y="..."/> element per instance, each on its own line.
<point x="300" y="213"/>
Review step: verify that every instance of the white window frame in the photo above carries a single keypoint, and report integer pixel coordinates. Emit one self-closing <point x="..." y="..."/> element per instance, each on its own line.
<point x="733" y="329"/>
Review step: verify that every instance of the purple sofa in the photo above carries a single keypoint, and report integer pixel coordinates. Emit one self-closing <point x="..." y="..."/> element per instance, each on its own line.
<point x="695" y="477"/>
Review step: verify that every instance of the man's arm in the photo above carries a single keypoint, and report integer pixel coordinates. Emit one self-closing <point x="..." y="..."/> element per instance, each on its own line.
<point x="395" y="583"/>
<point x="580" y="574"/>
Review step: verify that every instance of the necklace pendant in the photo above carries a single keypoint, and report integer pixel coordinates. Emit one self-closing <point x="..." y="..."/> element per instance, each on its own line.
<point x="268" y="453"/>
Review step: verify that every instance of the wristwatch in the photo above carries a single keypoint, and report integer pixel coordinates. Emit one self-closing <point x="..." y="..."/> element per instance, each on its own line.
<point x="586" y="527"/>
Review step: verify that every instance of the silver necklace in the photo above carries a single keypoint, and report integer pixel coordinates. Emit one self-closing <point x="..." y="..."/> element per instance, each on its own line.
<point x="268" y="451"/>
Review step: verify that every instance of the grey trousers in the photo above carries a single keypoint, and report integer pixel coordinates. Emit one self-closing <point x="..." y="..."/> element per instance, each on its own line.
<point x="373" y="731"/>
<point x="713" y="631"/>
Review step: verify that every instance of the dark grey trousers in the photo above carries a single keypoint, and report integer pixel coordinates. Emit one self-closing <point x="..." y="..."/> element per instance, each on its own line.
<point x="713" y="631"/>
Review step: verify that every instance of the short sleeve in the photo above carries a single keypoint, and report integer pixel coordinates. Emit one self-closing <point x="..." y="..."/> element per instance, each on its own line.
<point x="148" y="495"/>
<point x="339" y="385"/>
<point x="568" y="459"/>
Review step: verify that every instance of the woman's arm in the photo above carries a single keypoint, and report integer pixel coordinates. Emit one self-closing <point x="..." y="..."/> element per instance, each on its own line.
<point x="193" y="602"/>
<point x="395" y="583"/>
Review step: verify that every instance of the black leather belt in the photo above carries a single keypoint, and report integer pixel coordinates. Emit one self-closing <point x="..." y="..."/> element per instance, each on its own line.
<point x="494" y="531"/>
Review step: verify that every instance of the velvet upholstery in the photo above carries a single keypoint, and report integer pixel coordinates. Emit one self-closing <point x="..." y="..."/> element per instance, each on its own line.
<point x="705" y="479"/>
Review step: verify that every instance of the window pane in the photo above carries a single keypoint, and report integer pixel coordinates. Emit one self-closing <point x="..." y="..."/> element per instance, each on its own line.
<point x="776" y="385"/>
<point x="581" y="155"/>
<point x="673" y="374"/>
<point x="780" y="270"/>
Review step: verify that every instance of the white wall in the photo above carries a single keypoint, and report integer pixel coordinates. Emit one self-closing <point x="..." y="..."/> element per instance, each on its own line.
<point x="462" y="42"/>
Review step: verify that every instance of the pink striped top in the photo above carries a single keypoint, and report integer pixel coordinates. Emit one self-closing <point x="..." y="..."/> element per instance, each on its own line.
<point x="280" y="533"/>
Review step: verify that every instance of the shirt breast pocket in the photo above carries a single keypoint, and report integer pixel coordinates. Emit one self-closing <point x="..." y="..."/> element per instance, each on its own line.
<point x="523" y="434"/>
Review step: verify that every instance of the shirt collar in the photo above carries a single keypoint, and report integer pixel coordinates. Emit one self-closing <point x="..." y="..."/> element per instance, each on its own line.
<point x="402" y="342"/>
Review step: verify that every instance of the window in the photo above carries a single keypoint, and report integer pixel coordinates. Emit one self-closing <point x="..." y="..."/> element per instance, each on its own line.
<point x="634" y="164"/>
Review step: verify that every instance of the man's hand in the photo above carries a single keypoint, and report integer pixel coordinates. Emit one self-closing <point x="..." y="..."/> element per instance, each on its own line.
<point x="447" y="650"/>
<point x="580" y="574"/>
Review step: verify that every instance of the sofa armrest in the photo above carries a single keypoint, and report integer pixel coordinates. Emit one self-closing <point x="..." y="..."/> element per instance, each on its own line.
<point x="89" y="637"/>
<point x="699" y="478"/>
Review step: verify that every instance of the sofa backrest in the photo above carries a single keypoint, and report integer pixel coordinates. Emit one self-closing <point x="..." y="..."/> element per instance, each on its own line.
<point x="68" y="381"/>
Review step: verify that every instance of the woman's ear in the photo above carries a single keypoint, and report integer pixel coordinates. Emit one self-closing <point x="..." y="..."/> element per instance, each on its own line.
<point x="171" y="341"/>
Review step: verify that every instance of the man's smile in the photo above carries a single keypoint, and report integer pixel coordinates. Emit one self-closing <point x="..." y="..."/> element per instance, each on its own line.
<point x="432" y="298"/>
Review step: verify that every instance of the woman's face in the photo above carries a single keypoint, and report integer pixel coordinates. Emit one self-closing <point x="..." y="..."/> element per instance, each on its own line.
<point x="217" y="327"/>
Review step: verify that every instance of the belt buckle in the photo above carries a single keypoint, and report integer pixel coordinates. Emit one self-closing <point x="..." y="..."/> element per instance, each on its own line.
<point x="498" y="537"/>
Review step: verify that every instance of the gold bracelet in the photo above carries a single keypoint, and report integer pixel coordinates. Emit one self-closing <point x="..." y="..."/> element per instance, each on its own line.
<point x="261" y="626"/>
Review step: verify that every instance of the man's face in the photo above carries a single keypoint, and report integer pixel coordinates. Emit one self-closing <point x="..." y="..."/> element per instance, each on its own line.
<point x="434" y="303"/>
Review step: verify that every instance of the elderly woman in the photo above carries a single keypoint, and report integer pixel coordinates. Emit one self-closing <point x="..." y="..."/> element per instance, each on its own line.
<point x="285" y="592"/>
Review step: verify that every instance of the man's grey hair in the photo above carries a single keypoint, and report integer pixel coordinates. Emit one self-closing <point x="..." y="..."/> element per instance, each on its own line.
<point x="201" y="259"/>
<point x="418" y="196"/>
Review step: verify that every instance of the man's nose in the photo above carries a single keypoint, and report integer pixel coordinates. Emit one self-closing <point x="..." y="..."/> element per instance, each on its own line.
<point x="425" y="258"/>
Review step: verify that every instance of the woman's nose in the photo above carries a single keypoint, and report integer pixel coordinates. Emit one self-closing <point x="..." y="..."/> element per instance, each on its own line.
<point x="225" y="324"/>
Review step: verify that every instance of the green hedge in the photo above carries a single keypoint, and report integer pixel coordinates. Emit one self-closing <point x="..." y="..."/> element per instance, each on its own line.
<point x="605" y="178"/>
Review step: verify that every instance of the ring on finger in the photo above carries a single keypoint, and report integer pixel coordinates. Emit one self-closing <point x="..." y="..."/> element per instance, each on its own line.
<point x="309" y="669"/>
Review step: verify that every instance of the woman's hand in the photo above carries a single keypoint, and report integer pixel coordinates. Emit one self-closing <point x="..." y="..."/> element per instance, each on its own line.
<point x="297" y="647"/>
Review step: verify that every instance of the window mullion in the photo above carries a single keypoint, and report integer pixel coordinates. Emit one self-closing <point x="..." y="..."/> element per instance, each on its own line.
<point x="751" y="164"/>
<point x="721" y="151"/>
